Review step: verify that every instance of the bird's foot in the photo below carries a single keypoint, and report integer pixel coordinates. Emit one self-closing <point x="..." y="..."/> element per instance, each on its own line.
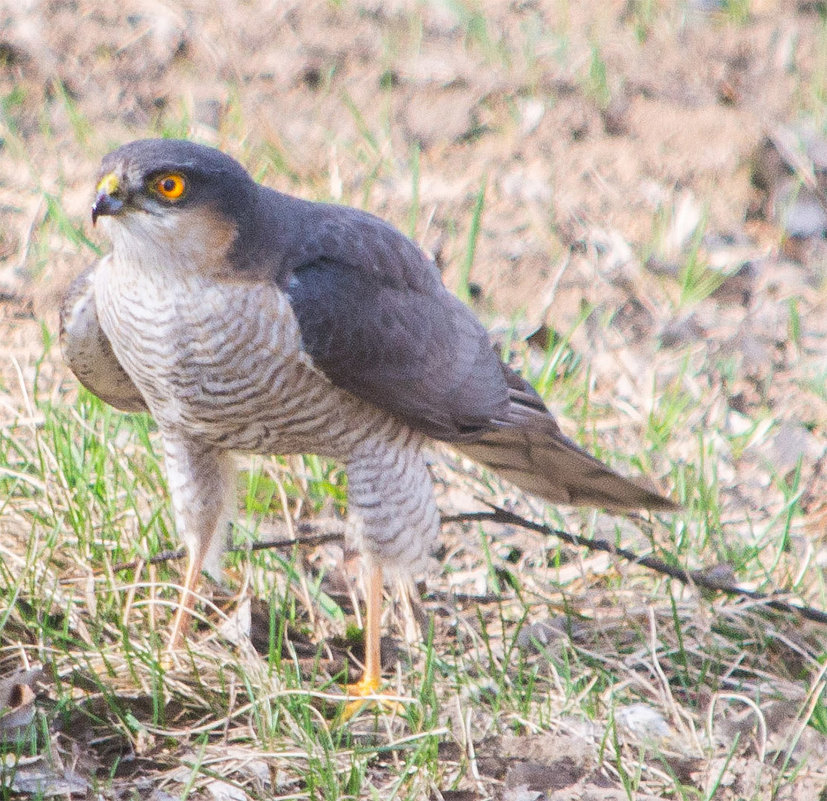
<point x="365" y="687"/>
<point x="368" y="695"/>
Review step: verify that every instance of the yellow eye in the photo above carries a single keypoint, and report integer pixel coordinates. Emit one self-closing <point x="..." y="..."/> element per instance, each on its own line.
<point x="171" y="186"/>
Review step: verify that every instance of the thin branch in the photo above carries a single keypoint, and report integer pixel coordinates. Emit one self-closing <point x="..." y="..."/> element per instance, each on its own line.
<point x="698" y="578"/>
<point x="283" y="543"/>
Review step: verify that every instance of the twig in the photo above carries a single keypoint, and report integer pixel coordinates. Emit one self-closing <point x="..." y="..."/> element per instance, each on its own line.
<point x="284" y="543"/>
<point x="698" y="578"/>
<point x="789" y="146"/>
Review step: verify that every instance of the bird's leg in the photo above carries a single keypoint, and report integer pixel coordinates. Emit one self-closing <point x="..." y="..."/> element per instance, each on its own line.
<point x="392" y="508"/>
<point x="371" y="680"/>
<point x="183" y="616"/>
<point x="201" y="485"/>
<point x="372" y="676"/>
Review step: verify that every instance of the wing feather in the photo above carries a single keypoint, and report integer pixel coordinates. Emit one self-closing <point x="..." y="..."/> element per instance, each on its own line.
<point x="87" y="350"/>
<point x="377" y="320"/>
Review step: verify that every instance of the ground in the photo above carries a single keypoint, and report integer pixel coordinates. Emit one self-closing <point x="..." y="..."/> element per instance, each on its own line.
<point x="632" y="198"/>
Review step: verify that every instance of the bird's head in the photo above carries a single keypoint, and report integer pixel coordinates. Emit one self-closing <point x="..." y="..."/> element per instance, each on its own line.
<point x="172" y="201"/>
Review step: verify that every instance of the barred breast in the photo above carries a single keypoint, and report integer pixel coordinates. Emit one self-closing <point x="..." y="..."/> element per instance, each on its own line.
<point x="222" y="364"/>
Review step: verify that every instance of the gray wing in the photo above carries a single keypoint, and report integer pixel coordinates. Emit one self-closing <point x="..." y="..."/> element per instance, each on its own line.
<point x="376" y="318"/>
<point x="87" y="350"/>
<point x="417" y="354"/>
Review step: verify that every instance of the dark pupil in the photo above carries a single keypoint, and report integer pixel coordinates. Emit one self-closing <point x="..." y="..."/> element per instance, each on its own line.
<point x="169" y="184"/>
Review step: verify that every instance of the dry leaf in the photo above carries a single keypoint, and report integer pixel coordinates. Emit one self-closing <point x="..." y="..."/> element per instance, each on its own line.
<point x="39" y="779"/>
<point x="17" y="699"/>
<point x="224" y="791"/>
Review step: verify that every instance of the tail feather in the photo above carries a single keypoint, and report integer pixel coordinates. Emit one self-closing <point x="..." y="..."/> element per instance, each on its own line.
<point x="541" y="460"/>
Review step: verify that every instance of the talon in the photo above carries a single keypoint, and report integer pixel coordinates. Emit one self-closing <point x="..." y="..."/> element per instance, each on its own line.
<point x="367" y="690"/>
<point x="366" y="686"/>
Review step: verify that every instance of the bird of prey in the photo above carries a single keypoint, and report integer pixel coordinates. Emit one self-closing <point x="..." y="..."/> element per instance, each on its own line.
<point x="244" y="319"/>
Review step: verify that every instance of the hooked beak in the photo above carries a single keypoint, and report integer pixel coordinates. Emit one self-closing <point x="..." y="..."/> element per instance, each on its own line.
<point x="107" y="201"/>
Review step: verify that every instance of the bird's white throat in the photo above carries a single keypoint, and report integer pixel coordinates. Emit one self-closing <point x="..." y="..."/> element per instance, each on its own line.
<point x="160" y="244"/>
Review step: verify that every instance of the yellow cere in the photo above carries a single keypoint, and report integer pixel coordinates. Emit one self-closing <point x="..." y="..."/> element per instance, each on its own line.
<point x="170" y="186"/>
<point x="108" y="184"/>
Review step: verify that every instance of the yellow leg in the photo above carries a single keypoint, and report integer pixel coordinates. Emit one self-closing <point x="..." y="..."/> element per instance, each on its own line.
<point x="372" y="677"/>
<point x="183" y="616"/>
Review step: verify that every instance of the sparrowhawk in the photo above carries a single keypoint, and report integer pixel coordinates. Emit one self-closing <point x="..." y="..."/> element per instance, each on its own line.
<point x="244" y="319"/>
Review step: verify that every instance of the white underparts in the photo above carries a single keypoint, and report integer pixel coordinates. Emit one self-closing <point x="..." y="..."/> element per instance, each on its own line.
<point x="221" y="368"/>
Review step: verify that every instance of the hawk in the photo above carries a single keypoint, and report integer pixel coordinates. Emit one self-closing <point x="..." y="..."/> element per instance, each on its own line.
<point x="244" y="319"/>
